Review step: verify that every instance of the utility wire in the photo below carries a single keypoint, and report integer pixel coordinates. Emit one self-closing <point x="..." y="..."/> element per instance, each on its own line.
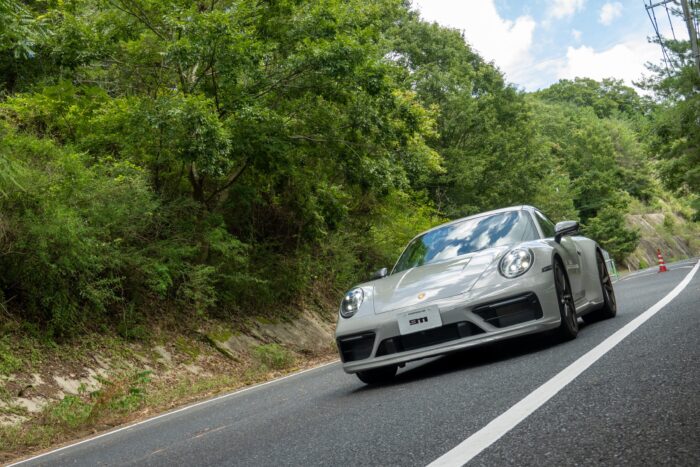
<point x="655" y="24"/>
<point x="668" y="15"/>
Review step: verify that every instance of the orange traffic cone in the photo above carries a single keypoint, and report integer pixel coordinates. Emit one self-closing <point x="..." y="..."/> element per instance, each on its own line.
<point x="662" y="265"/>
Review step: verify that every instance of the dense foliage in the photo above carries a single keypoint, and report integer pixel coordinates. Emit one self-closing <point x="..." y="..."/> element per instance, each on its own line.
<point x="235" y="156"/>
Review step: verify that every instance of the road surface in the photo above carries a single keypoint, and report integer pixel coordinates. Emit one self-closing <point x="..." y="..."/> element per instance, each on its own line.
<point x="636" y="404"/>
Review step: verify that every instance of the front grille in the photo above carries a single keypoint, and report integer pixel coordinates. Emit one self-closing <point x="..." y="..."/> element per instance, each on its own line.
<point x="418" y="340"/>
<point x="511" y="311"/>
<point x="356" y="347"/>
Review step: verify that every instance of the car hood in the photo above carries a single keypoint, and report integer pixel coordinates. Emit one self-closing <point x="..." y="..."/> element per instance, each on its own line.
<point x="432" y="281"/>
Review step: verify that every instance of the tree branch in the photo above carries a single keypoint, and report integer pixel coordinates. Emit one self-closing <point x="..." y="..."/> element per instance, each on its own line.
<point x="223" y="191"/>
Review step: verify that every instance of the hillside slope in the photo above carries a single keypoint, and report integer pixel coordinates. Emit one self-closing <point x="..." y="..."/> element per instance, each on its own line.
<point x="669" y="232"/>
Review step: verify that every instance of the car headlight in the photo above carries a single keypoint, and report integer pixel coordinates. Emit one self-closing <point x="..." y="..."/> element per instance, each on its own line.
<point x="516" y="262"/>
<point x="351" y="302"/>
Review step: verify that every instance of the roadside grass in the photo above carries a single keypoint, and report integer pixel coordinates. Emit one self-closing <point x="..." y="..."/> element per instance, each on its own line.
<point x="274" y="356"/>
<point x="132" y="395"/>
<point x="9" y="363"/>
<point x="139" y="382"/>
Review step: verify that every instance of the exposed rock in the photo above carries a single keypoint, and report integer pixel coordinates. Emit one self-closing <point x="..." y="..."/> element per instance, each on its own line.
<point x="194" y="369"/>
<point x="36" y="380"/>
<point x="73" y="385"/>
<point x="671" y="246"/>
<point x="306" y="334"/>
<point x="12" y="419"/>
<point x="101" y="362"/>
<point x="231" y="348"/>
<point x="33" y="405"/>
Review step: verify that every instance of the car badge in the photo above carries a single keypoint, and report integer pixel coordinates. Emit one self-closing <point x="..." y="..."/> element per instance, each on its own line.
<point x="421" y="296"/>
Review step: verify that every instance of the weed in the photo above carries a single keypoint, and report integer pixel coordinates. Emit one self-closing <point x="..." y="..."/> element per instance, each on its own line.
<point x="274" y="356"/>
<point x="130" y="326"/>
<point x="13" y="437"/>
<point x="70" y="412"/>
<point x="13" y="409"/>
<point x="8" y="362"/>
<point x="220" y="335"/>
<point x="122" y="395"/>
<point x="188" y="348"/>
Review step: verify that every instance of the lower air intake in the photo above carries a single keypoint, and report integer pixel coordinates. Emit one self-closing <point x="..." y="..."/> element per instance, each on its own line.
<point x="512" y="311"/>
<point x="356" y="347"/>
<point x="429" y="337"/>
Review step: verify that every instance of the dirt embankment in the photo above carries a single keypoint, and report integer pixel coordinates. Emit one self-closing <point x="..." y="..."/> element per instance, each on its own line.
<point x="670" y="233"/>
<point x="51" y="394"/>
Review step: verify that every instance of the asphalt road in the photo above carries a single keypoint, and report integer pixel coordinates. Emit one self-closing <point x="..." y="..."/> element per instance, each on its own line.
<point x="639" y="404"/>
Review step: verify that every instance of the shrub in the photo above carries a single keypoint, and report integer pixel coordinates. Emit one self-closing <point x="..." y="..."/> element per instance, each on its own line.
<point x="74" y="229"/>
<point x="608" y="229"/>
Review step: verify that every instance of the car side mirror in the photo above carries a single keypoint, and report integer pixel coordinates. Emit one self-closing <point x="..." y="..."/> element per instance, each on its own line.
<point x="383" y="272"/>
<point x="565" y="228"/>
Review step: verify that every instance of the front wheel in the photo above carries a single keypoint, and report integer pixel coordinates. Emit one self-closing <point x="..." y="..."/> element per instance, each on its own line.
<point x="609" y="308"/>
<point x="381" y="375"/>
<point x="568" y="329"/>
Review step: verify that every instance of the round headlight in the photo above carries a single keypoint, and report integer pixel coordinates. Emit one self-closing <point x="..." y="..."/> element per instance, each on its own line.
<point x="351" y="303"/>
<point x="516" y="262"/>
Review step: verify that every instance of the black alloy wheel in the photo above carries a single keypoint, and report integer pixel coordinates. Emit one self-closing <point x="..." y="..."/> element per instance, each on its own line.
<point x="568" y="329"/>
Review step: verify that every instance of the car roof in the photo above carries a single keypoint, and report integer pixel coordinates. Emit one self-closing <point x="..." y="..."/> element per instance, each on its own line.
<point x="523" y="207"/>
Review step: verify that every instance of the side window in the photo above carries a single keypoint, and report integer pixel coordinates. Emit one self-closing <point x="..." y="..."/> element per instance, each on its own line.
<point x="529" y="230"/>
<point x="546" y="225"/>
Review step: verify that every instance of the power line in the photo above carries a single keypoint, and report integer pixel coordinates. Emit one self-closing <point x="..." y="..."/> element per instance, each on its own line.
<point x="692" y="33"/>
<point x="668" y="64"/>
<point x="668" y="15"/>
<point x="689" y="9"/>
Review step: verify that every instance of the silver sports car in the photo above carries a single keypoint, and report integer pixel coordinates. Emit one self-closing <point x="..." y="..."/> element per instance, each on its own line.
<point x="476" y="280"/>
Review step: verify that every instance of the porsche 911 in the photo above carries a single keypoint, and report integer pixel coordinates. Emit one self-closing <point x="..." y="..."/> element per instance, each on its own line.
<point x="473" y="281"/>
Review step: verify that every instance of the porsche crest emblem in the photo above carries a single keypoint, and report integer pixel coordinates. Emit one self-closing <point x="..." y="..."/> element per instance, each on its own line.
<point x="421" y="296"/>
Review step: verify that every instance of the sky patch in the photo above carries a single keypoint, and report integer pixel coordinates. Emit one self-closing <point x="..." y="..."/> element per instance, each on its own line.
<point x="535" y="43"/>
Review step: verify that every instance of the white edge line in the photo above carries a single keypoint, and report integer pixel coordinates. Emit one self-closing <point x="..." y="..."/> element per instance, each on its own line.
<point x="173" y="412"/>
<point x="476" y="443"/>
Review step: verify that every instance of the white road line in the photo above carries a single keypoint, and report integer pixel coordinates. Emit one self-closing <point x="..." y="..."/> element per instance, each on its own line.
<point x="167" y="414"/>
<point x="472" y="446"/>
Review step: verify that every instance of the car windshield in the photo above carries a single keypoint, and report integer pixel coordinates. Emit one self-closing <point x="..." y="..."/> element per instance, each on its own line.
<point x="466" y="237"/>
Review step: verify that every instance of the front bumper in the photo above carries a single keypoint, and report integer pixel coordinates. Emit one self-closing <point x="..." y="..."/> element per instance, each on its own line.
<point x="480" y="316"/>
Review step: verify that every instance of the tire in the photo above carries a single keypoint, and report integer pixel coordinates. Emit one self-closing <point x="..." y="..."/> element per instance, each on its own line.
<point x="381" y="375"/>
<point x="568" y="329"/>
<point x="609" y="308"/>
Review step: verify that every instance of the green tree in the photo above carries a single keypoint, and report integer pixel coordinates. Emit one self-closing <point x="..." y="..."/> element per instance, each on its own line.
<point x="674" y="128"/>
<point x="485" y="132"/>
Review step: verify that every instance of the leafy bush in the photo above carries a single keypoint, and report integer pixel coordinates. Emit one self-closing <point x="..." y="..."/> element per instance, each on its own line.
<point x="131" y="325"/>
<point x="608" y="228"/>
<point x="198" y="289"/>
<point x="71" y="229"/>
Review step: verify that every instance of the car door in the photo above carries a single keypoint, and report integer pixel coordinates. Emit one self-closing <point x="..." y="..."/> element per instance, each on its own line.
<point x="571" y="254"/>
